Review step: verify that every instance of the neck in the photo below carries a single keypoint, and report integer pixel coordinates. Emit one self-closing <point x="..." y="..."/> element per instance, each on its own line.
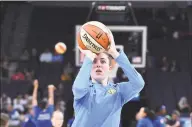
<point x="104" y="82"/>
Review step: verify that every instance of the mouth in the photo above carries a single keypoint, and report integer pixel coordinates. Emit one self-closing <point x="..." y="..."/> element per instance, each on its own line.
<point x="98" y="71"/>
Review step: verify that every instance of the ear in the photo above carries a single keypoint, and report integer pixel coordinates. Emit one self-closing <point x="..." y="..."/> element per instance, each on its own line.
<point x="110" y="68"/>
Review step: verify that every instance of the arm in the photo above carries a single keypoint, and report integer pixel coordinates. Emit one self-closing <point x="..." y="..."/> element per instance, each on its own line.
<point x="135" y="84"/>
<point x="35" y="89"/>
<point x="129" y="89"/>
<point x="51" y="89"/>
<point x="81" y="83"/>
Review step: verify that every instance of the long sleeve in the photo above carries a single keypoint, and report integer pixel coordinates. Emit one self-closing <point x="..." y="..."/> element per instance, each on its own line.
<point x="130" y="89"/>
<point x="81" y="83"/>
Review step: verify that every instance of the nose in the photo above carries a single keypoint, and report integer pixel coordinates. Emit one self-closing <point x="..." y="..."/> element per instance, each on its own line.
<point x="98" y="64"/>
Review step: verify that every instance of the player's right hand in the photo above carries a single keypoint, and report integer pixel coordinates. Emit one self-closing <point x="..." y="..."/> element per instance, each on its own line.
<point x="88" y="53"/>
<point x="35" y="83"/>
<point x="51" y="87"/>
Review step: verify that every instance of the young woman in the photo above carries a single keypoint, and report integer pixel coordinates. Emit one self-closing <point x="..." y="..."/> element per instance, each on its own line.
<point x="97" y="102"/>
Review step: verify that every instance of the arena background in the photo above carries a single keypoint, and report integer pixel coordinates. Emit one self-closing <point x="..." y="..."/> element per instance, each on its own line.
<point x="29" y="28"/>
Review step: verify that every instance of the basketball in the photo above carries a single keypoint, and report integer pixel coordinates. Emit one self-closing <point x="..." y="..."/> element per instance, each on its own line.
<point x="60" y="47"/>
<point x="93" y="36"/>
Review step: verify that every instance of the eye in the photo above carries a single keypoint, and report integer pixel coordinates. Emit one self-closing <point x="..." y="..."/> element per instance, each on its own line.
<point x="94" y="61"/>
<point x="103" y="61"/>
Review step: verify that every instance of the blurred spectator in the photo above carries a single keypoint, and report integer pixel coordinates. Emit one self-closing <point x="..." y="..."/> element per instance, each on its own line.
<point x="4" y="120"/>
<point x="18" y="76"/>
<point x="145" y="118"/>
<point x="165" y="64"/>
<point x="28" y="117"/>
<point x="14" y="116"/>
<point x="57" y="57"/>
<point x="5" y="100"/>
<point x="28" y="75"/>
<point x="12" y="68"/>
<point x="174" y="66"/>
<point x="150" y="60"/>
<point x="161" y="110"/>
<point x="33" y="54"/>
<point x="67" y="73"/>
<point x="174" y="121"/>
<point x="61" y="106"/>
<point x="184" y="106"/>
<point x="43" y="110"/>
<point x="57" y="119"/>
<point x="25" y="100"/>
<point x="165" y="32"/>
<point x="46" y="56"/>
<point x="25" y="56"/>
<point x="4" y="67"/>
<point x="17" y="104"/>
<point x="160" y="115"/>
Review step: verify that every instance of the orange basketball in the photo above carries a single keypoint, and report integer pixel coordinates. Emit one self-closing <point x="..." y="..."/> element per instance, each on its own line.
<point x="93" y="36"/>
<point x="60" y="47"/>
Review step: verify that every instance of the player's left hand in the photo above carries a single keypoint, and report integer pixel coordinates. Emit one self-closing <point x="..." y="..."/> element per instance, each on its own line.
<point x="112" y="49"/>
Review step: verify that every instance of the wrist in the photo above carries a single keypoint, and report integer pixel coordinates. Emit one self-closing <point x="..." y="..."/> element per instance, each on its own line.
<point x="92" y="57"/>
<point x="114" y="53"/>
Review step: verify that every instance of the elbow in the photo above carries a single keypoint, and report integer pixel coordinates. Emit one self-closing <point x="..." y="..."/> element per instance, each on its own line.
<point x="77" y="90"/>
<point x="140" y="83"/>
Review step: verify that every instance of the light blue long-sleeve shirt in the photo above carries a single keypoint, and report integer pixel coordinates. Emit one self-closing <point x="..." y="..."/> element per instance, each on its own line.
<point x="99" y="106"/>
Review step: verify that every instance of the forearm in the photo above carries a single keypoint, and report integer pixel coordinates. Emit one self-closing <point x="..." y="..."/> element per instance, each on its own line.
<point x="83" y="77"/>
<point x="133" y="76"/>
<point x="34" y="97"/>
<point x="81" y="83"/>
<point x="51" y="96"/>
<point x="135" y="84"/>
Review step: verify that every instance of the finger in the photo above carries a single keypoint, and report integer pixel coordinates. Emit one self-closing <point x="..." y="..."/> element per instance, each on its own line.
<point x="80" y="49"/>
<point x="94" y="55"/>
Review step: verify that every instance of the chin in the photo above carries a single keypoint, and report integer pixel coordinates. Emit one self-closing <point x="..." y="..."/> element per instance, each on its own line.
<point x="98" y="78"/>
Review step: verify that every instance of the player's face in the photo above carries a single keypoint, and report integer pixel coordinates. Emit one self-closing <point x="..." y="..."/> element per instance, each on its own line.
<point x="101" y="67"/>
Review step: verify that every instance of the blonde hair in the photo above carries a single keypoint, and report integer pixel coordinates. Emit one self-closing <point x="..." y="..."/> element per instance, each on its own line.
<point x="57" y="122"/>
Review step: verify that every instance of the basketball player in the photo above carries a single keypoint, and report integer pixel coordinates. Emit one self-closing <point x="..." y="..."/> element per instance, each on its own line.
<point x="42" y="111"/>
<point x="97" y="102"/>
<point x="57" y="119"/>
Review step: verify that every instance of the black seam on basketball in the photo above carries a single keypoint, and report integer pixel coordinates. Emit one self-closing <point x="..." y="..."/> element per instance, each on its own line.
<point x="101" y="29"/>
<point x="105" y="34"/>
<point x="93" y="37"/>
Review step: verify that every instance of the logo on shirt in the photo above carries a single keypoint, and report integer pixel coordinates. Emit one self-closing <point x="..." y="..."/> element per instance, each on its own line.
<point x="44" y="117"/>
<point x="111" y="91"/>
